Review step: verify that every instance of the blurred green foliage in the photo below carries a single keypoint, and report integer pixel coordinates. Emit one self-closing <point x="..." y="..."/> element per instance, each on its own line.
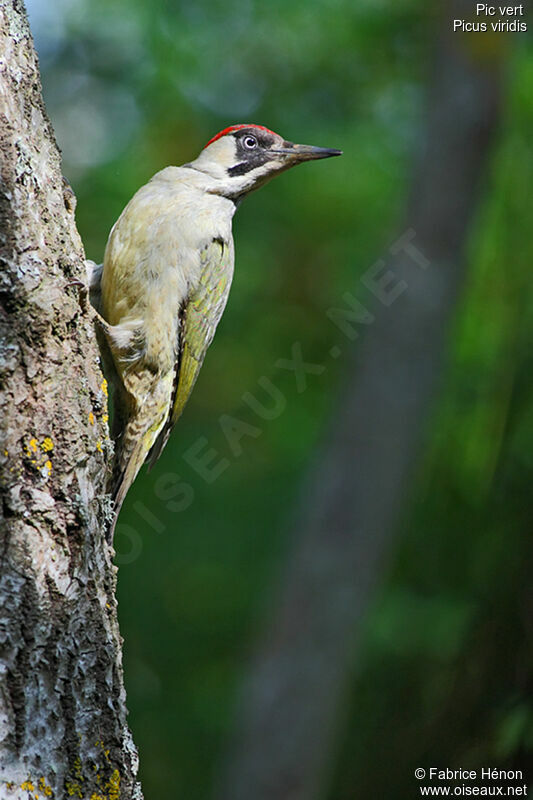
<point x="444" y="676"/>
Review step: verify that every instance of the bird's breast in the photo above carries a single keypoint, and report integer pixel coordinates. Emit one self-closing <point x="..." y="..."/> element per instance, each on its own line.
<point x="153" y="260"/>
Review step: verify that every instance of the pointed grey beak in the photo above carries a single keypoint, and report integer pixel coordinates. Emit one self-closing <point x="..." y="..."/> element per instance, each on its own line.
<point x="305" y="152"/>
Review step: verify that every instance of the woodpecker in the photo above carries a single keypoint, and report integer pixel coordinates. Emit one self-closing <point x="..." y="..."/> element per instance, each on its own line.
<point x="165" y="279"/>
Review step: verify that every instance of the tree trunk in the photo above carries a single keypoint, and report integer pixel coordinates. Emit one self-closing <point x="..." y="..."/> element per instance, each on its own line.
<point x="63" y="730"/>
<point x="292" y="706"/>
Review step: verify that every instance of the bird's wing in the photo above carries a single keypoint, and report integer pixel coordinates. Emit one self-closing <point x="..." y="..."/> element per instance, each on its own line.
<point x="199" y="317"/>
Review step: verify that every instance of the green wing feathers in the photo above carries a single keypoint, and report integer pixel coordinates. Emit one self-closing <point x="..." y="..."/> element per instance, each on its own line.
<point x="199" y="319"/>
<point x="149" y="403"/>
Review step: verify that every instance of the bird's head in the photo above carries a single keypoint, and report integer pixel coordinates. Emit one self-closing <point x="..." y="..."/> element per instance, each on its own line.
<point x="242" y="158"/>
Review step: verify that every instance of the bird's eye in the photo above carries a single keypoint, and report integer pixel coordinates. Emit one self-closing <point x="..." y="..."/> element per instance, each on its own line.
<point x="250" y="142"/>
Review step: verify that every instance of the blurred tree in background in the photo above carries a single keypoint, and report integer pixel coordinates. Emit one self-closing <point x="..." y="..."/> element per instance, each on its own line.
<point x="444" y="676"/>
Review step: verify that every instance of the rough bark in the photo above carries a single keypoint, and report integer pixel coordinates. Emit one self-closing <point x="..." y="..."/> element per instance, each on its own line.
<point x="63" y="730"/>
<point x="292" y="705"/>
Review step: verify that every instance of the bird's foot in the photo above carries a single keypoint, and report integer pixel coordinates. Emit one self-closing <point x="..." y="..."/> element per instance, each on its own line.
<point x="83" y="292"/>
<point x="87" y="307"/>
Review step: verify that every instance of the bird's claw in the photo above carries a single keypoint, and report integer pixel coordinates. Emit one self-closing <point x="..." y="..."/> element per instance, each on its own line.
<point x="86" y="304"/>
<point x="83" y="292"/>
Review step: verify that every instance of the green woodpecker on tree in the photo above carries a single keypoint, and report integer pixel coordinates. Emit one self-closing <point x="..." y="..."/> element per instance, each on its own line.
<point x="164" y="283"/>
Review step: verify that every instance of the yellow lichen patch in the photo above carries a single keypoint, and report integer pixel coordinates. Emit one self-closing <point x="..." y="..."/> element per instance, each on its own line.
<point x="103" y="387"/>
<point x="74" y="787"/>
<point x="113" y="786"/>
<point x="43" y="786"/>
<point x="39" y="455"/>
<point x="105" y="418"/>
<point x="99" y="446"/>
<point x="6" y="453"/>
<point x="105" y="752"/>
<point x="27" y="786"/>
<point x="91" y="417"/>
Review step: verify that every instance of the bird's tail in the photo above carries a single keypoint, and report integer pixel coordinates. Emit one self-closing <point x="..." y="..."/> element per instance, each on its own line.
<point x="134" y="441"/>
<point x="130" y="458"/>
<point x="131" y="451"/>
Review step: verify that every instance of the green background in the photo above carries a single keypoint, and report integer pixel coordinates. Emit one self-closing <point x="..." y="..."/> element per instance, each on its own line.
<point x="444" y="674"/>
